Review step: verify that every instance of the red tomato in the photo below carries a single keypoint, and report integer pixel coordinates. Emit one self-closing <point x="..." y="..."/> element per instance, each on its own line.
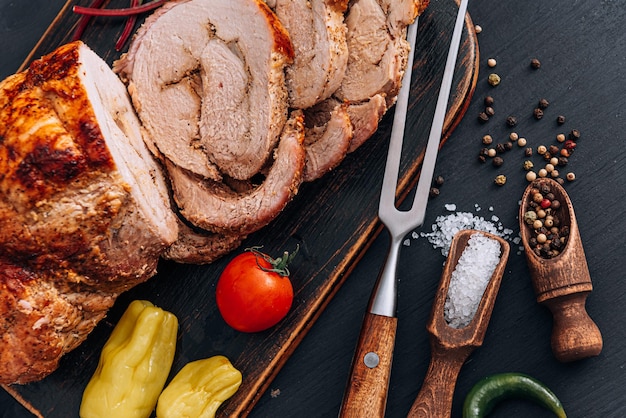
<point x="254" y="291"/>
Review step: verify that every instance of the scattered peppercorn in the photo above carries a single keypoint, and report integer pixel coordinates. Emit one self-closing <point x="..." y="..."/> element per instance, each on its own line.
<point x="500" y="180"/>
<point x="439" y="180"/>
<point x="487" y="139"/>
<point x="491" y="62"/>
<point x="570" y="176"/>
<point x="560" y="119"/>
<point x="478" y="28"/>
<point x="531" y="176"/>
<point x="513" y="136"/>
<point x="497" y="161"/>
<point x="494" y="79"/>
<point x="553" y="150"/>
<point x="560" y="138"/>
<point x="483" y="117"/>
<point x="521" y="142"/>
<point x="574" y="135"/>
<point x="528" y="165"/>
<point x="434" y="192"/>
<point x="511" y="121"/>
<point x="569" y="145"/>
<point x="491" y="152"/>
<point x="538" y="113"/>
<point x="535" y="63"/>
<point x="489" y="101"/>
<point x="562" y="161"/>
<point x="543" y="104"/>
<point x="500" y="148"/>
<point x="490" y="111"/>
<point x="528" y="152"/>
<point x="541" y="149"/>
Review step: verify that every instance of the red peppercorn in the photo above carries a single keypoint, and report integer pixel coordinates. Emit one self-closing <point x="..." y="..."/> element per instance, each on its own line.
<point x="569" y="145"/>
<point x="545" y="203"/>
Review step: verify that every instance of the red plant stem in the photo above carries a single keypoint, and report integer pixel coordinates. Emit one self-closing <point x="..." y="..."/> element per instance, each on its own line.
<point x="128" y="28"/>
<point x="88" y="11"/>
<point x="84" y="21"/>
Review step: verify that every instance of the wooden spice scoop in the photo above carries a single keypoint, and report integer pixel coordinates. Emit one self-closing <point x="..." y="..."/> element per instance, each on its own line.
<point x="562" y="283"/>
<point x="450" y="347"/>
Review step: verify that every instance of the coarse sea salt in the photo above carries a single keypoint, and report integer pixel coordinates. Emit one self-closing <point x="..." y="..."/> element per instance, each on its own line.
<point x="470" y="278"/>
<point x="446" y="226"/>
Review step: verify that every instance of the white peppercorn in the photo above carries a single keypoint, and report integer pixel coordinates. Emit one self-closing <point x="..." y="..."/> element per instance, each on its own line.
<point x="542" y="172"/>
<point x="560" y="137"/>
<point x="541" y="149"/>
<point x="491" y="62"/>
<point x="531" y="176"/>
<point x="570" y="176"/>
<point x="513" y="136"/>
<point x="521" y="142"/>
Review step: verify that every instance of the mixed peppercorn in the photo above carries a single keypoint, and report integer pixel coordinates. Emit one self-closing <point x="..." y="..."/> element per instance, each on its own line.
<point x="548" y="221"/>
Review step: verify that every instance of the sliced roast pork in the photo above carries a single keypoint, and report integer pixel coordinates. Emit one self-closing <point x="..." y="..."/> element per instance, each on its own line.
<point x="84" y="207"/>
<point x="207" y="78"/>
<point x="378" y="53"/>
<point x="328" y="136"/>
<point x="318" y="35"/>
<point x="216" y="207"/>
<point x="198" y="246"/>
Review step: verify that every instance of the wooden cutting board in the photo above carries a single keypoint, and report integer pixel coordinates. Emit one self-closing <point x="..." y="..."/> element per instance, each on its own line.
<point x="333" y="220"/>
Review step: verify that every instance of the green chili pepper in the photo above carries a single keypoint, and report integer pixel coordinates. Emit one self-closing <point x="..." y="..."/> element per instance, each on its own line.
<point x="485" y="394"/>
<point x="134" y="364"/>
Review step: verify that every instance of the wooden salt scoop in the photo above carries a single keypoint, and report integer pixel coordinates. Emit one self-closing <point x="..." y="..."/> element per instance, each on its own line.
<point x="563" y="283"/>
<point x="450" y="347"/>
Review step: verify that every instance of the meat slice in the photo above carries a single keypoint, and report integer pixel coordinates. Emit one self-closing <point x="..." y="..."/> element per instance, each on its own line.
<point x="196" y="246"/>
<point x="207" y="79"/>
<point x="216" y="207"/>
<point x="318" y="35"/>
<point x="378" y="53"/>
<point x="328" y="135"/>
<point x="365" y="117"/>
<point x="84" y="207"/>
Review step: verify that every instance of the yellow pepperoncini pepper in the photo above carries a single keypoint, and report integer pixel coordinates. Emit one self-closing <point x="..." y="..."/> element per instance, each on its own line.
<point x="198" y="390"/>
<point x="134" y="364"/>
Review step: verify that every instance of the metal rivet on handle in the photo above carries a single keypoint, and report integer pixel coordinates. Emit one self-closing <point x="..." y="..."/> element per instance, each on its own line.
<point x="371" y="360"/>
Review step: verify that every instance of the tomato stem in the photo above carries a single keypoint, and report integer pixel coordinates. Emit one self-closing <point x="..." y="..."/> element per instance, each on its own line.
<point x="279" y="264"/>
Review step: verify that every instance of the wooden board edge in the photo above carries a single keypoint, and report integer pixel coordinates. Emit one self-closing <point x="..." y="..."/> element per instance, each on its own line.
<point x="356" y="252"/>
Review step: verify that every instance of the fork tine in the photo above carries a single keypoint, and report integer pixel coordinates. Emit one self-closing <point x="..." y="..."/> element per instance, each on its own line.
<point x="397" y="221"/>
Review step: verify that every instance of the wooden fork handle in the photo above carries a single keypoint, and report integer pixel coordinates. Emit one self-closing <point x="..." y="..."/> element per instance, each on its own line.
<point x="435" y="397"/>
<point x="366" y="393"/>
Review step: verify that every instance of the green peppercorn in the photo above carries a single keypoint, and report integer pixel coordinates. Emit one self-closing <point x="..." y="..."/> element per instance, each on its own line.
<point x="530" y="217"/>
<point x="494" y="79"/>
